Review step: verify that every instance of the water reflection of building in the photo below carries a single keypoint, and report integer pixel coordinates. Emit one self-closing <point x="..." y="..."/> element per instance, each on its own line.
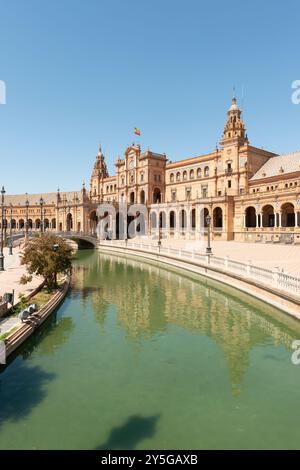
<point x="149" y="298"/>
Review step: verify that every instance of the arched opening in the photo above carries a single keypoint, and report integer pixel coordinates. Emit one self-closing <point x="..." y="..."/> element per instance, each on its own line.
<point x="182" y="219"/>
<point x="156" y="195"/>
<point x="250" y="217"/>
<point x="218" y="217"/>
<point x="37" y="224"/>
<point x="131" y="197"/>
<point x="172" y="220"/>
<point x="172" y="178"/>
<point x="268" y="218"/>
<point x="69" y="222"/>
<point x="46" y="224"/>
<point x="288" y="215"/>
<point x="30" y="224"/>
<point x="21" y="223"/>
<point x="93" y="221"/>
<point x="142" y="197"/>
<point x="162" y="219"/>
<point x="193" y="219"/>
<point x="203" y="215"/>
<point x="78" y="227"/>
<point x="60" y="226"/>
<point x="153" y="220"/>
<point x="13" y="224"/>
<point x="53" y="224"/>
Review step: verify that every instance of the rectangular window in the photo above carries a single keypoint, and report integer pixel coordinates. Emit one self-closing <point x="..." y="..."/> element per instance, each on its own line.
<point x="229" y="184"/>
<point x="188" y="193"/>
<point x="204" y="191"/>
<point x="173" y="195"/>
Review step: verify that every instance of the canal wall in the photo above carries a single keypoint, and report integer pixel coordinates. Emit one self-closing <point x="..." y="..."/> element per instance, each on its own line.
<point x="27" y="329"/>
<point x="285" y="301"/>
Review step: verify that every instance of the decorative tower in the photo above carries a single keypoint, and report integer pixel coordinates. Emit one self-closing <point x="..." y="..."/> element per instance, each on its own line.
<point x="234" y="129"/>
<point x="99" y="173"/>
<point x="234" y="144"/>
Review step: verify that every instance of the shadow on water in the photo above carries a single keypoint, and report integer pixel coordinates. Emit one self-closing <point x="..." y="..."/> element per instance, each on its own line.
<point x="21" y="390"/>
<point x="129" y="434"/>
<point x="22" y="384"/>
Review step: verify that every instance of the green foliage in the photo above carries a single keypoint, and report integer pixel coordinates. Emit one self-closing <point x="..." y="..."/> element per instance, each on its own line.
<point x="47" y="256"/>
<point x="24" y="279"/>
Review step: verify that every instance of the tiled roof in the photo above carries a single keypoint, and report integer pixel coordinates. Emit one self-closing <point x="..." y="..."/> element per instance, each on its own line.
<point x="34" y="199"/>
<point x="280" y="165"/>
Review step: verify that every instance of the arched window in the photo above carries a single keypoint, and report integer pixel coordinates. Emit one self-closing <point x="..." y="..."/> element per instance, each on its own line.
<point x="192" y="174"/>
<point x="199" y="173"/>
<point x="172" y="178"/>
<point x="184" y="175"/>
<point x="206" y="171"/>
<point x="178" y="176"/>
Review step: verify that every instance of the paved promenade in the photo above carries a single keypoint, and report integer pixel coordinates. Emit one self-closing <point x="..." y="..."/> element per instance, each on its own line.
<point x="286" y="257"/>
<point x="9" y="280"/>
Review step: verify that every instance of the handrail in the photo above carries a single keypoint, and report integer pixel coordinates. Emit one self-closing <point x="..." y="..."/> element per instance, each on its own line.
<point x="274" y="278"/>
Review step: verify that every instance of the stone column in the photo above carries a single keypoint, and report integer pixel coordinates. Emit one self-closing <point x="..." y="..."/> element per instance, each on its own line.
<point x="280" y="219"/>
<point x="167" y="230"/>
<point x="244" y="220"/>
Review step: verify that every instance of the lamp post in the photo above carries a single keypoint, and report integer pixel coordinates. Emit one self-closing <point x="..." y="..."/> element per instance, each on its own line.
<point x="10" y="231"/>
<point x="44" y="218"/>
<point x="26" y="223"/>
<point x="208" y="221"/>
<point x="42" y="202"/>
<point x="159" y="236"/>
<point x="5" y="227"/>
<point x="2" y="230"/>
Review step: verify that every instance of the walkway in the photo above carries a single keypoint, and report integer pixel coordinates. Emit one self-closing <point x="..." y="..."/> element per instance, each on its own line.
<point x="286" y="257"/>
<point x="9" y="281"/>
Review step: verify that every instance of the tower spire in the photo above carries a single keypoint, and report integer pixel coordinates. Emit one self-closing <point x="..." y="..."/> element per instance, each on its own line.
<point x="234" y="129"/>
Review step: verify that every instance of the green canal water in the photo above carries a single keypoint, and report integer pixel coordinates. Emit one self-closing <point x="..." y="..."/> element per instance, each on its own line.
<point x="142" y="357"/>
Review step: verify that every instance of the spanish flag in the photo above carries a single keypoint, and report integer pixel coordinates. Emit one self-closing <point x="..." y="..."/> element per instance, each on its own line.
<point x="137" y="131"/>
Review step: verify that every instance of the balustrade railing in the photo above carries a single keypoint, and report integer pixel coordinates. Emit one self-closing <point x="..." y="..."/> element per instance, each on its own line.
<point x="266" y="276"/>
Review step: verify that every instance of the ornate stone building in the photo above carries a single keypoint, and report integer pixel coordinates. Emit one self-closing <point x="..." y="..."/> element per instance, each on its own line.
<point x="251" y="194"/>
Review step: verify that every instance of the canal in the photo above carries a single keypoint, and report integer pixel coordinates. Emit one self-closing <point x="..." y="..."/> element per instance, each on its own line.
<point x="140" y="356"/>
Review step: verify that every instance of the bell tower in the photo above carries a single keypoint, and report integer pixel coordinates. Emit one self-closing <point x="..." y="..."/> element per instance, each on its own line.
<point x="234" y="129"/>
<point x="98" y="174"/>
<point x="234" y="144"/>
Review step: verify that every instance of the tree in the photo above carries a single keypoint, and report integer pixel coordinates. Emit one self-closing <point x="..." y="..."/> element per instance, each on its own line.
<point x="47" y="255"/>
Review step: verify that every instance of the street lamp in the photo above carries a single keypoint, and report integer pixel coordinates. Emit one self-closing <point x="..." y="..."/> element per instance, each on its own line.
<point x="159" y="237"/>
<point x="10" y="231"/>
<point x="5" y="227"/>
<point x="208" y="221"/>
<point x="26" y="223"/>
<point x="2" y="230"/>
<point x="42" y="202"/>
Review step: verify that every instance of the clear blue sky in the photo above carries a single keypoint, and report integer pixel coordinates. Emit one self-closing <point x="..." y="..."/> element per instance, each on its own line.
<point x="80" y="72"/>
